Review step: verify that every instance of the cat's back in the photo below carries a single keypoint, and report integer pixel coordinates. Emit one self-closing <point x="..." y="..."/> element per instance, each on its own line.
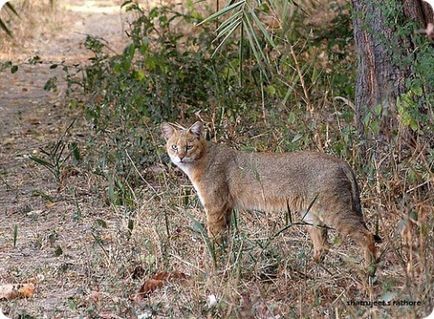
<point x="300" y="161"/>
<point x="294" y="163"/>
<point x="219" y="157"/>
<point x="277" y="172"/>
<point x="224" y="158"/>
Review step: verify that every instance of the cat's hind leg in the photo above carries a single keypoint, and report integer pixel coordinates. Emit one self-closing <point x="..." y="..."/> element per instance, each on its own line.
<point x="318" y="234"/>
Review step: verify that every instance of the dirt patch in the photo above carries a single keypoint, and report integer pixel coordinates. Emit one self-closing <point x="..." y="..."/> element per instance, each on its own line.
<point x="51" y="227"/>
<point x="58" y="34"/>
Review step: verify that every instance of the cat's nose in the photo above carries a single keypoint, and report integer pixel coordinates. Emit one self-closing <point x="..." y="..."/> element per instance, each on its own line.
<point x="181" y="157"/>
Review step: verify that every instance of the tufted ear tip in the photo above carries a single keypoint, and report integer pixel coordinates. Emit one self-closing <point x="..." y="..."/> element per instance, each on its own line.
<point x="167" y="130"/>
<point x="197" y="129"/>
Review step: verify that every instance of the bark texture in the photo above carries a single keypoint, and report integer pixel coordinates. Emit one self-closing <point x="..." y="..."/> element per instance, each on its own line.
<point x="380" y="75"/>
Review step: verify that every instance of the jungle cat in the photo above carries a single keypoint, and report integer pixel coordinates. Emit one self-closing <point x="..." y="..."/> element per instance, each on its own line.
<point x="225" y="178"/>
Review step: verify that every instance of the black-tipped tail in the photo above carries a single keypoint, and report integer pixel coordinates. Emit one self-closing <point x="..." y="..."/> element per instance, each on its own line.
<point x="377" y="239"/>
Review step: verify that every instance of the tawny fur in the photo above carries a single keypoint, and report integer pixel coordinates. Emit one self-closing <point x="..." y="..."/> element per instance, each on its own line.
<point x="225" y="178"/>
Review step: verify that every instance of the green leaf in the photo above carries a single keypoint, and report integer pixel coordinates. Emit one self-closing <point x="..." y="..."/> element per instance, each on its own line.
<point x="41" y="161"/>
<point x="51" y="84"/>
<point x="15" y="235"/>
<point x="129" y="52"/>
<point x="139" y="75"/>
<point x="261" y="27"/>
<point x="296" y="138"/>
<point x="249" y="27"/>
<point x="228" y="21"/>
<point x="230" y="28"/>
<point x="292" y="118"/>
<point x="75" y="151"/>
<point x="101" y="223"/>
<point x="271" y="90"/>
<point x="252" y="42"/>
<point x="417" y="91"/>
<point x="14" y="68"/>
<point x="222" y="11"/>
<point x="58" y="251"/>
<point x="226" y="37"/>
<point x="378" y="109"/>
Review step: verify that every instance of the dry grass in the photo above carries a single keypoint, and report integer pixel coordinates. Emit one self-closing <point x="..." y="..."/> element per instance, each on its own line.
<point x="258" y="276"/>
<point x="37" y="19"/>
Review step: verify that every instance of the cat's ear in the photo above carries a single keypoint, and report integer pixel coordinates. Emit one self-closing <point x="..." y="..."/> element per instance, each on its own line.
<point x="197" y="129"/>
<point x="167" y="130"/>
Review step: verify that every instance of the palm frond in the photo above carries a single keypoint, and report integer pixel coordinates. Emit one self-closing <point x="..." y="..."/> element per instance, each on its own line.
<point x="223" y="11"/>
<point x="243" y="15"/>
<point x="11" y="8"/>
<point x="228" y="21"/>
<point x="246" y="15"/>
<point x="261" y="27"/>
<point x="3" y="25"/>
<point x="250" y="30"/>
<point x="229" y="33"/>
<point x="230" y="26"/>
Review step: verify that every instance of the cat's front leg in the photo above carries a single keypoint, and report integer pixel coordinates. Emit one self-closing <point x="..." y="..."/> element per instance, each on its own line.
<point x="218" y="219"/>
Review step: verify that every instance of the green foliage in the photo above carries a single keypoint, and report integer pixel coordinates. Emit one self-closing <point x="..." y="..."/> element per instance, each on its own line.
<point x="161" y="75"/>
<point x="167" y="72"/>
<point x="244" y="18"/>
<point x="408" y="109"/>
<point x="51" y="84"/>
<point x="415" y="106"/>
<point x="152" y="76"/>
<point x="15" y="235"/>
<point x="411" y="53"/>
<point x="8" y="65"/>
<point x="55" y="156"/>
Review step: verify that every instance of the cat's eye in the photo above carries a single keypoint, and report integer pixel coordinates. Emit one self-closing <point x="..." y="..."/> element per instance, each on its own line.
<point x="174" y="147"/>
<point x="189" y="147"/>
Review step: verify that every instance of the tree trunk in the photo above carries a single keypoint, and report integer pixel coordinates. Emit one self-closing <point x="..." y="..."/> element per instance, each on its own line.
<point x="381" y="50"/>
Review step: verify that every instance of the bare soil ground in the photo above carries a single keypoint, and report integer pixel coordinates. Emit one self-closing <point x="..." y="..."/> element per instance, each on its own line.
<point x="30" y="119"/>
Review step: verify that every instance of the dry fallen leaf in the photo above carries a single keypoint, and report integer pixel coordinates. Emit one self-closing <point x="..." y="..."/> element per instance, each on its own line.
<point x="49" y="204"/>
<point x="10" y="291"/>
<point x="157" y="281"/>
<point x="95" y="296"/>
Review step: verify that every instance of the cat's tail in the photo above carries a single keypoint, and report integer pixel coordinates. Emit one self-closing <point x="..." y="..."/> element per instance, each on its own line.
<point x="355" y="192"/>
<point x="377" y="239"/>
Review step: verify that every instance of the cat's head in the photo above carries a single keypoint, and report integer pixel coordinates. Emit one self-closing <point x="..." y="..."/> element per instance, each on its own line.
<point x="184" y="146"/>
